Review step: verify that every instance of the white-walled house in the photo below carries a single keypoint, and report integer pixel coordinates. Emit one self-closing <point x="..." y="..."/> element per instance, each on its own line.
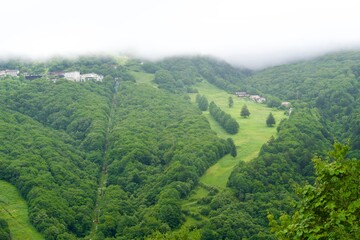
<point x="13" y="73"/>
<point x="257" y="98"/>
<point x="241" y="94"/>
<point x="77" y="77"/>
<point x="8" y="72"/>
<point x="73" y="76"/>
<point x="91" y="76"/>
<point x="286" y="104"/>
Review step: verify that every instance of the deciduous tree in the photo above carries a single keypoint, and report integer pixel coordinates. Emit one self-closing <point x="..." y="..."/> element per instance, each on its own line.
<point x="329" y="209"/>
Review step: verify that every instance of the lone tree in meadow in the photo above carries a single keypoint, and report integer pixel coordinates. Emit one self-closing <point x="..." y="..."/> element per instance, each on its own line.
<point x="231" y="102"/>
<point x="244" y="111"/>
<point x="270" y="121"/>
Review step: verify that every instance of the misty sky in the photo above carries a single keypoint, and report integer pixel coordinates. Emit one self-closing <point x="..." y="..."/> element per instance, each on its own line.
<point x="252" y="33"/>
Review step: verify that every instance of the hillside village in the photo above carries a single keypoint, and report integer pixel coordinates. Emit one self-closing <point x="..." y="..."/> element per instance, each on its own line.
<point x="254" y="98"/>
<point x="260" y="99"/>
<point x="77" y="77"/>
<point x="74" y="76"/>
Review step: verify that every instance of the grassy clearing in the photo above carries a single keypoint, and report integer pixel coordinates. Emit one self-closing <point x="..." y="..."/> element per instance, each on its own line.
<point x="143" y="78"/>
<point x="253" y="132"/>
<point x="14" y="210"/>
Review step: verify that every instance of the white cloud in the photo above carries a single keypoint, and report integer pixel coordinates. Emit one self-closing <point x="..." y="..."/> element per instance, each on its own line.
<point x="253" y="32"/>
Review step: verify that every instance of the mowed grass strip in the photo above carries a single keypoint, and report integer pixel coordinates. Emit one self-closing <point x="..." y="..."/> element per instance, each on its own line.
<point x="253" y="132"/>
<point x="14" y="210"/>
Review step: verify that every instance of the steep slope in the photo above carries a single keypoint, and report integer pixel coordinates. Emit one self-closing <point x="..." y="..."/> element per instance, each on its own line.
<point x="159" y="146"/>
<point x="179" y="74"/>
<point x="69" y="123"/>
<point x="50" y="173"/>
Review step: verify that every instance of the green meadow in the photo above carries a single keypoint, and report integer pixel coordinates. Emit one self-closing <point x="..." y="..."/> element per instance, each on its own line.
<point x="253" y="133"/>
<point x="14" y="210"/>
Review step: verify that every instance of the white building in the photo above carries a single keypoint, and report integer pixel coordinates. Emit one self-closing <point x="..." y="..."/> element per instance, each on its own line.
<point x="257" y="98"/>
<point x="73" y="76"/>
<point x="91" y="76"/>
<point x="286" y="104"/>
<point x="8" y="72"/>
<point x="241" y="94"/>
<point x="262" y="100"/>
<point x="254" y="98"/>
<point x="13" y="73"/>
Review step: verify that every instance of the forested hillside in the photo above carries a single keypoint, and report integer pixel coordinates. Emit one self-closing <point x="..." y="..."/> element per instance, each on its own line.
<point x="115" y="159"/>
<point x="159" y="146"/>
<point x="330" y="84"/>
<point x="151" y="145"/>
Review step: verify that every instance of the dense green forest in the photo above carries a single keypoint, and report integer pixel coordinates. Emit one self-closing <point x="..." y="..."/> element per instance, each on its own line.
<point x="115" y="159"/>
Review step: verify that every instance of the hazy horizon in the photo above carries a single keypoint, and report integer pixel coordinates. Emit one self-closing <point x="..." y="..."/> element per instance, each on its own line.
<point x="253" y="34"/>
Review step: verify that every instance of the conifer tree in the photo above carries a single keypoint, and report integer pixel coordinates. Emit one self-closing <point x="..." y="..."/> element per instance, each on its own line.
<point x="232" y="147"/>
<point x="231" y="102"/>
<point x="202" y="102"/>
<point x="245" y="111"/>
<point x="270" y="121"/>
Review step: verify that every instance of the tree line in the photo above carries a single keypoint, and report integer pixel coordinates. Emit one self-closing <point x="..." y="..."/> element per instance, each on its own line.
<point x="225" y="120"/>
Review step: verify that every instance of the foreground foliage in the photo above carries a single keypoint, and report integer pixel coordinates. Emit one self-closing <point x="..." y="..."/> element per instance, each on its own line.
<point x="330" y="208"/>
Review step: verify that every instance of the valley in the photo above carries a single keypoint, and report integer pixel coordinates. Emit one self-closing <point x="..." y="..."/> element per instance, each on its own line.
<point x="138" y="155"/>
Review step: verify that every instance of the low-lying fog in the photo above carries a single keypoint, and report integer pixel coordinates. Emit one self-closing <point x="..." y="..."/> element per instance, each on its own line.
<point x="254" y="34"/>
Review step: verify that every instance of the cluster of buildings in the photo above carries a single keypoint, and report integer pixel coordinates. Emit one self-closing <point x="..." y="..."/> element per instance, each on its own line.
<point x="259" y="99"/>
<point x="8" y="72"/>
<point x="77" y="77"/>
<point x="72" y="76"/>
<point x="255" y="98"/>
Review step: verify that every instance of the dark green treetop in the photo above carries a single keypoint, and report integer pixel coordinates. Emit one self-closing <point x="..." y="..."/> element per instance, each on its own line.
<point x="231" y="102"/>
<point x="270" y="121"/>
<point x="245" y="111"/>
